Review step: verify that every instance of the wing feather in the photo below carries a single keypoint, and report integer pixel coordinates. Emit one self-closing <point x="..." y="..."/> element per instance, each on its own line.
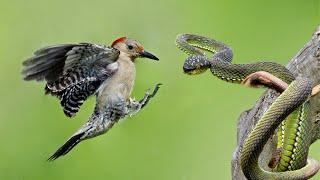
<point x="74" y="97"/>
<point x="73" y="72"/>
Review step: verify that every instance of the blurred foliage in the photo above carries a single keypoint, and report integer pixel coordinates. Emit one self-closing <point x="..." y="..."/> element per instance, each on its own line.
<point x="187" y="132"/>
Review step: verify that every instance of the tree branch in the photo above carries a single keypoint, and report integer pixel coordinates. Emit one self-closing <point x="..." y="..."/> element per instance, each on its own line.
<point x="305" y="63"/>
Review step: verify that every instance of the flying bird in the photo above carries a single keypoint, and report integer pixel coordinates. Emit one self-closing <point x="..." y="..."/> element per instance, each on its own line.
<point x="74" y="72"/>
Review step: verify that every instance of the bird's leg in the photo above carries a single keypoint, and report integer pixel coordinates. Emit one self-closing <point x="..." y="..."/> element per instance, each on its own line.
<point x="148" y="96"/>
<point x="135" y="106"/>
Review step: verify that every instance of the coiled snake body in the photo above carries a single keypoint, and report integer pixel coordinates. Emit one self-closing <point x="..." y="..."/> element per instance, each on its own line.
<point x="289" y="112"/>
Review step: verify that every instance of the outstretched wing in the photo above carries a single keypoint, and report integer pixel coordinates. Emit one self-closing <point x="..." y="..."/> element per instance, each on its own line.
<point x="51" y="62"/>
<point x="73" y="71"/>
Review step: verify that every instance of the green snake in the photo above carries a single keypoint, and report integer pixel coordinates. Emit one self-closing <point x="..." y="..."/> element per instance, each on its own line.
<point x="289" y="112"/>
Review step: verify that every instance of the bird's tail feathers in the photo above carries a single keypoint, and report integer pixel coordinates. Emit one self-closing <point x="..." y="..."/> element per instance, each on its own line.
<point x="67" y="146"/>
<point x="103" y="122"/>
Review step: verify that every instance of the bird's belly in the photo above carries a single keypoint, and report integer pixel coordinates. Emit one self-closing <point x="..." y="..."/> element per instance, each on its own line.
<point x="118" y="85"/>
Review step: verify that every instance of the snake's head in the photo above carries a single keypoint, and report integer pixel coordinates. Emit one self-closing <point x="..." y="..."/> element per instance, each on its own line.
<point x="196" y="64"/>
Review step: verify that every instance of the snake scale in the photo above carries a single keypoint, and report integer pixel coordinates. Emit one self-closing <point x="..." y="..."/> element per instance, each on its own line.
<point x="289" y="112"/>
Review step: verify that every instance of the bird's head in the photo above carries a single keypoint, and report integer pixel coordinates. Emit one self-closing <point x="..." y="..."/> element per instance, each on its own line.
<point x="132" y="48"/>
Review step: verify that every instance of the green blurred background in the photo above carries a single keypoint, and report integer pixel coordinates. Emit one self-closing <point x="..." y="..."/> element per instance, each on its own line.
<point x="187" y="132"/>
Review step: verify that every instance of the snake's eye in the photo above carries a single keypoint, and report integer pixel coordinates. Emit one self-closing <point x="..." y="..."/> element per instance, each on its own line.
<point x="130" y="47"/>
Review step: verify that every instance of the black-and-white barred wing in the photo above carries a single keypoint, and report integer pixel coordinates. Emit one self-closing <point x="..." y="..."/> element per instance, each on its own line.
<point x="73" y="71"/>
<point x="50" y="63"/>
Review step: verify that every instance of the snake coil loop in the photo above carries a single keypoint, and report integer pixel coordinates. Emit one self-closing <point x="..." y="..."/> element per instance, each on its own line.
<point x="290" y="110"/>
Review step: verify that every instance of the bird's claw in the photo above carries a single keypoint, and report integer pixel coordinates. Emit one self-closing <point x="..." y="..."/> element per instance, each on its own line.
<point x="134" y="106"/>
<point x="157" y="87"/>
<point x="149" y="95"/>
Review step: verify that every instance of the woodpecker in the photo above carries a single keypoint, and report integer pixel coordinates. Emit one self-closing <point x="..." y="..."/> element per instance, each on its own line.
<point x="74" y="72"/>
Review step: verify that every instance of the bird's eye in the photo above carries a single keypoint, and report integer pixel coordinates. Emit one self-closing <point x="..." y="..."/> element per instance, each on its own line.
<point x="130" y="47"/>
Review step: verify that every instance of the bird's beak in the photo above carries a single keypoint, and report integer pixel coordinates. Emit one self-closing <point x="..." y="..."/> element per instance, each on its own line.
<point x="148" y="55"/>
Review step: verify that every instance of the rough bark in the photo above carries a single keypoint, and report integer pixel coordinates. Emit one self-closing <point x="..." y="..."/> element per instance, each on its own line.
<point x="306" y="63"/>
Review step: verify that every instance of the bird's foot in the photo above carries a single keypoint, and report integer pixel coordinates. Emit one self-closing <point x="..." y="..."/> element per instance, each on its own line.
<point x="148" y="95"/>
<point x="135" y="106"/>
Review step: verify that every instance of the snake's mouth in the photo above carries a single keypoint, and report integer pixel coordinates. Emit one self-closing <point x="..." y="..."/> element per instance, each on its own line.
<point x="193" y="70"/>
<point x="188" y="70"/>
